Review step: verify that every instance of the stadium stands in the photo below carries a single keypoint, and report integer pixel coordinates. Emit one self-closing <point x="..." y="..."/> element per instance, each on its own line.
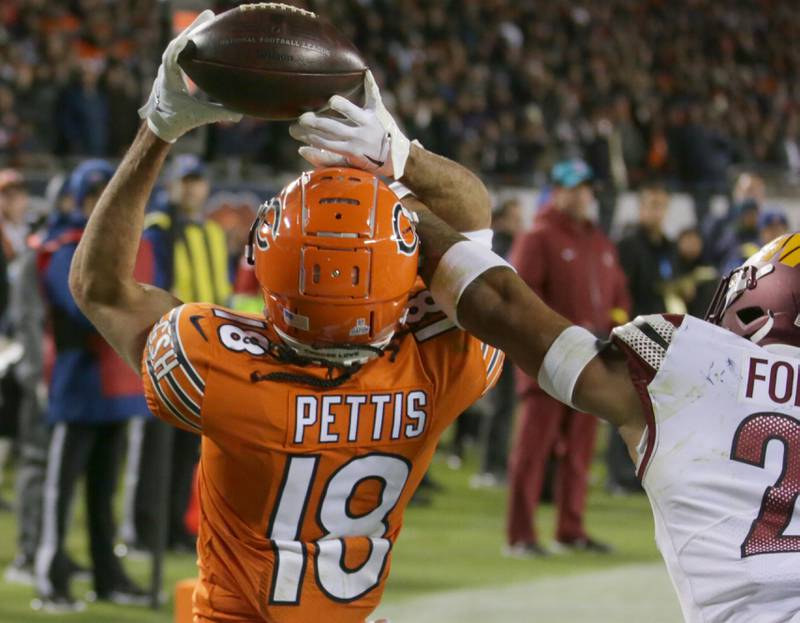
<point x="503" y="86"/>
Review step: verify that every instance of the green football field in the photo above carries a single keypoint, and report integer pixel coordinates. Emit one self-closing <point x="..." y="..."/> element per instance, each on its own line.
<point x="448" y="554"/>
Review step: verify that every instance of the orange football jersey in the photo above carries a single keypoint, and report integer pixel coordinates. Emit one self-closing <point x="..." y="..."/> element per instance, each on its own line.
<point x="302" y="489"/>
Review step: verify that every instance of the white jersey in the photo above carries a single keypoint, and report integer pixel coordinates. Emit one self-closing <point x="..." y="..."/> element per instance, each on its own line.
<point x="721" y="466"/>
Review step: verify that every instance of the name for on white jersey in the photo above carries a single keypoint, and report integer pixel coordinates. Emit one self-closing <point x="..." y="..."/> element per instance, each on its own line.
<point x="363" y="418"/>
<point x="771" y="380"/>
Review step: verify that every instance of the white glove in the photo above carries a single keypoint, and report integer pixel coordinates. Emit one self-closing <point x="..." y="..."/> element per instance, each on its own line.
<point x="367" y="138"/>
<point x="171" y="110"/>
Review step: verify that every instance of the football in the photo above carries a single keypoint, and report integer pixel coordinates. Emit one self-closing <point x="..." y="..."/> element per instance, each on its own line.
<point x="272" y="60"/>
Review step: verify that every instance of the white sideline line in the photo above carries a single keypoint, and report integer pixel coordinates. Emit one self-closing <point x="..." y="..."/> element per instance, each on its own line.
<point x="639" y="592"/>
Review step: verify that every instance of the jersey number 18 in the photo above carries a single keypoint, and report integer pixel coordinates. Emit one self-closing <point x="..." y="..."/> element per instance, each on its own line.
<point x="337" y="521"/>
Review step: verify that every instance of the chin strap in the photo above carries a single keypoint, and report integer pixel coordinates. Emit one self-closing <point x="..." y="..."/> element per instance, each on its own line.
<point x="330" y="382"/>
<point x="341" y="355"/>
<point x="765" y="328"/>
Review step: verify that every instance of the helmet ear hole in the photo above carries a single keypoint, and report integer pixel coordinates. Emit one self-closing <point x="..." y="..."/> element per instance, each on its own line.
<point x="749" y="314"/>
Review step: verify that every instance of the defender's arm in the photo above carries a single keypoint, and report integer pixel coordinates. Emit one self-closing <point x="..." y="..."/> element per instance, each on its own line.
<point x="498" y="308"/>
<point x="449" y="190"/>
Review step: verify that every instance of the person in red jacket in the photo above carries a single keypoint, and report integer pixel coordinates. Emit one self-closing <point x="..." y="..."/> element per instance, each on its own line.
<point x="571" y="264"/>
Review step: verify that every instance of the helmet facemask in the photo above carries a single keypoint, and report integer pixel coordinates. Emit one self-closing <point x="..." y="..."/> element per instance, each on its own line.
<point x="760" y="300"/>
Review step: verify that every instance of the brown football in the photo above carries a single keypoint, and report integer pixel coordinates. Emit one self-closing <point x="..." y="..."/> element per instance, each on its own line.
<point x="272" y="60"/>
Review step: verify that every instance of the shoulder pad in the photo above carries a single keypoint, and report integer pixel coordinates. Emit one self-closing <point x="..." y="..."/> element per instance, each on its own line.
<point x="648" y="337"/>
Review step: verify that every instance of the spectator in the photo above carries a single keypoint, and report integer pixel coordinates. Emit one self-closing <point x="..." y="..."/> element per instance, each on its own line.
<point x="633" y="149"/>
<point x="771" y="224"/>
<point x="602" y="151"/>
<point x="12" y="195"/>
<point x="35" y="101"/>
<point x="725" y="237"/>
<point x="191" y="261"/>
<point x="187" y="244"/>
<point x="496" y="424"/>
<point x="740" y="239"/>
<point x="15" y="204"/>
<point x="124" y="99"/>
<point x="24" y="324"/>
<point x="647" y="256"/>
<point x="701" y="155"/>
<point x="696" y="281"/>
<point x="92" y="395"/>
<point x="563" y="247"/>
<point x="789" y="150"/>
<point x="11" y="134"/>
<point x="82" y="114"/>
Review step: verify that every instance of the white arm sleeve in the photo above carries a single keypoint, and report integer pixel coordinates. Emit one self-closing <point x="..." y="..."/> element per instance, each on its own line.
<point x="564" y="361"/>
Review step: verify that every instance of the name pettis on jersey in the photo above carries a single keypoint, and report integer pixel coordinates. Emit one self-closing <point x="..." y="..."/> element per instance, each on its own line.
<point x="771" y="380"/>
<point x="358" y="418"/>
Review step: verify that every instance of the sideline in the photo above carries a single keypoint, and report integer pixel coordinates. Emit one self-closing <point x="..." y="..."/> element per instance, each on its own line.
<point x="628" y="593"/>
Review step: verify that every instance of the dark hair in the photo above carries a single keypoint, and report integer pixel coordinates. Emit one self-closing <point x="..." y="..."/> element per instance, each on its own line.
<point x="502" y="210"/>
<point x="689" y="230"/>
<point x="653" y="185"/>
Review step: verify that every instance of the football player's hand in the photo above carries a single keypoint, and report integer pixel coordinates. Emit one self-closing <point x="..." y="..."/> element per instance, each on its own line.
<point x="366" y="138"/>
<point x="171" y="110"/>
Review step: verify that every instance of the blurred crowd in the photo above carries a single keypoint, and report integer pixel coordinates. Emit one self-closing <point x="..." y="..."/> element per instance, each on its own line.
<point x="508" y="87"/>
<point x="503" y="86"/>
<point x="70" y="80"/>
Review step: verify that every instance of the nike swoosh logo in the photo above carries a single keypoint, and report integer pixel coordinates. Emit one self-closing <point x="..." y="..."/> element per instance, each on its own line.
<point x="377" y="163"/>
<point x="195" y="320"/>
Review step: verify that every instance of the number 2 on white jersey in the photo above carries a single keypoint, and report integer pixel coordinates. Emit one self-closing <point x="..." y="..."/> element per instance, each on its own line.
<point x="766" y="535"/>
<point x="337" y="522"/>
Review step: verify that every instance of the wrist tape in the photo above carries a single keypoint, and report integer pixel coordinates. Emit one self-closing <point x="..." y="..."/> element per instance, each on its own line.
<point x="564" y="361"/>
<point x="461" y="264"/>
<point x="400" y="189"/>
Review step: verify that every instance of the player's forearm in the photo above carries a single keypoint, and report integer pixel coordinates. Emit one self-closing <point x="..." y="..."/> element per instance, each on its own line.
<point x="497" y="307"/>
<point x="500" y="309"/>
<point x="102" y="269"/>
<point x="451" y="191"/>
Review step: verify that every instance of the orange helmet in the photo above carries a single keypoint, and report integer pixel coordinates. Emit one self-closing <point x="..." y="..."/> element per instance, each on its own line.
<point x="335" y="255"/>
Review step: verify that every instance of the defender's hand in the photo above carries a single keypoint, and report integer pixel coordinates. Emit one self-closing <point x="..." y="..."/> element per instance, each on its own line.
<point x="366" y="138"/>
<point x="171" y="110"/>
